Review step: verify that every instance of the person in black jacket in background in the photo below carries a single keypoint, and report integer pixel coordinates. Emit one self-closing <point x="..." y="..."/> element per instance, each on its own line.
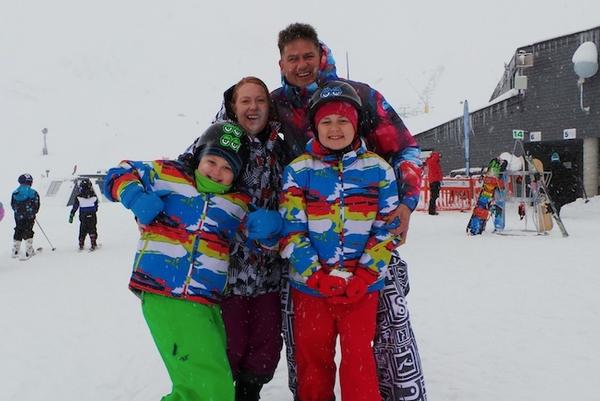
<point x="87" y="203"/>
<point x="25" y="203"/>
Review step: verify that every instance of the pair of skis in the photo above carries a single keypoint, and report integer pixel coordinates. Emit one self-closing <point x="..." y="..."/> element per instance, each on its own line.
<point x="536" y="176"/>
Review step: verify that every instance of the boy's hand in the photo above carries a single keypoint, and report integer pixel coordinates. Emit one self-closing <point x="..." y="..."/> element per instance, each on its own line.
<point x="70" y="218"/>
<point x="326" y="284"/>
<point x="146" y="206"/>
<point x="264" y="224"/>
<point x="356" y="289"/>
<point x="331" y="286"/>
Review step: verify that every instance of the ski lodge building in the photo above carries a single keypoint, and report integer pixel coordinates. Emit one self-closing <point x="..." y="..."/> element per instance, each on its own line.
<point x="549" y="96"/>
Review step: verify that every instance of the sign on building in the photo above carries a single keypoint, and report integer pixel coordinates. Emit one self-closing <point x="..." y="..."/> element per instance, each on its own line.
<point x="535" y="136"/>
<point x="569" y="133"/>
<point x="518" y="134"/>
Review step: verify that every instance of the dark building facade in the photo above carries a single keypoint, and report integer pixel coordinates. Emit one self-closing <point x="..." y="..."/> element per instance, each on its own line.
<point x="539" y="94"/>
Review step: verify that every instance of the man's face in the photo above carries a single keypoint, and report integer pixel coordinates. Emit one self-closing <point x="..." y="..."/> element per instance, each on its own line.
<point x="300" y="62"/>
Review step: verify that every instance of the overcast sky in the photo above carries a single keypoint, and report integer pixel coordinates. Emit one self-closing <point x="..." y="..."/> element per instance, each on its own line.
<point x="86" y="67"/>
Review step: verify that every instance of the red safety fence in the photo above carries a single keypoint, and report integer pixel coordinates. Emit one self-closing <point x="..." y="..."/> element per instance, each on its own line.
<point x="455" y="194"/>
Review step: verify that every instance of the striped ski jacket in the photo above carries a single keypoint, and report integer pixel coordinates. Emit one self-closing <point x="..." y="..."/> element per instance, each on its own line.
<point x="334" y="209"/>
<point x="184" y="252"/>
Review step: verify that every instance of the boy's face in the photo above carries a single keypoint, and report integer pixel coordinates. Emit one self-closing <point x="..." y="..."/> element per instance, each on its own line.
<point x="299" y="62"/>
<point x="216" y="168"/>
<point x="335" y="131"/>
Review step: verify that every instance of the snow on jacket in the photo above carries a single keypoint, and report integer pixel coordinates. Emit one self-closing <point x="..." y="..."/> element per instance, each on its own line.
<point x="334" y="209"/>
<point x="25" y="202"/>
<point x="184" y="252"/>
<point x="434" y="169"/>
<point x="383" y="129"/>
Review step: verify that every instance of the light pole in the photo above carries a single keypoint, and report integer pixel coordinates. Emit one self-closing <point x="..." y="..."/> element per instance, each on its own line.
<point x="45" y="148"/>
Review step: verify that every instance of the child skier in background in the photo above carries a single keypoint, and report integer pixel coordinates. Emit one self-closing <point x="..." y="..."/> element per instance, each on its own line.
<point x="334" y="202"/>
<point x="25" y="203"/>
<point x="87" y="203"/>
<point x="1" y="211"/>
<point x="188" y="220"/>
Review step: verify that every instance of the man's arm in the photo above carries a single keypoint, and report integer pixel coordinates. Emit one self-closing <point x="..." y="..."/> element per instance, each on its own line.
<point x="387" y="135"/>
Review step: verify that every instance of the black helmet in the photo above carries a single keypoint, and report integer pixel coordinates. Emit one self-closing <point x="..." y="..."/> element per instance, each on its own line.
<point x="331" y="91"/>
<point x="25" y="179"/>
<point x="224" y="139"/>
<point x="85" y="183"/>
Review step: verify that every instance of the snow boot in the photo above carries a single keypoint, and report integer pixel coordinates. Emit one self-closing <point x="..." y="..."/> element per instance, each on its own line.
<point x="81" y="243"/>
<point x="29" y="251"/>
<point x="247" y="390"/>
<point x="16" y="248"/>
<point x="93" y="240"/>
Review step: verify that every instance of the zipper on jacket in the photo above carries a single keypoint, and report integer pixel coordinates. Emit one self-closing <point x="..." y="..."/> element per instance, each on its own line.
<point x="342" y="213"/>
<point x="188" y="278"/>
<point x="142" y="252"/>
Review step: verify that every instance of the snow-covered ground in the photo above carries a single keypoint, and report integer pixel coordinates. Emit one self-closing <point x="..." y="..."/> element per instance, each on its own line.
<point x="496" y="317"/>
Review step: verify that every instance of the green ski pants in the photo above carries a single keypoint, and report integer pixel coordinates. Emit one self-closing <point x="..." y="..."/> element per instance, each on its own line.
<point x="191" y="340"/>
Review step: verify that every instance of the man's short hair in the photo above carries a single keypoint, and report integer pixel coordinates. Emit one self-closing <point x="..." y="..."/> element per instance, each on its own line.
<point x="296" y="31"/>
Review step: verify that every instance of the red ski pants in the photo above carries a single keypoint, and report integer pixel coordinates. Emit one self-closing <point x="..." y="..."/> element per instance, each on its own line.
<point x="316" y="326"/>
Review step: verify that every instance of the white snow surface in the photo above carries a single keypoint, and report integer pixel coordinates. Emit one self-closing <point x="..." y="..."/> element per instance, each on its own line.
<point x="496" y="317"/>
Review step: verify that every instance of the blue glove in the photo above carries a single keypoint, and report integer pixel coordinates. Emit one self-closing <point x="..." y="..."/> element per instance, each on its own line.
<point x="263" y="224"/>
<point x="144" y="205"/>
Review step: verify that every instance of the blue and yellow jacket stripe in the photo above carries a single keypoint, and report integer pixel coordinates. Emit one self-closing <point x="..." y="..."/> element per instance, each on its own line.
<point x="184" y="252"/>
<point x="334" y="209"/>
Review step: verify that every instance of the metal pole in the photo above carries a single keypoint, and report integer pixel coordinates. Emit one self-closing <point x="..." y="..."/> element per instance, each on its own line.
<point x="47" y="239"/>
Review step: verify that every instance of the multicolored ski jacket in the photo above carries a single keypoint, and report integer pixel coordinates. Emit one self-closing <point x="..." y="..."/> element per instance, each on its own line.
<point x="334" y="208"/>
<point x="184" y="252"/>
<point x="25" y="202"/>
<point x="383" y="129"/>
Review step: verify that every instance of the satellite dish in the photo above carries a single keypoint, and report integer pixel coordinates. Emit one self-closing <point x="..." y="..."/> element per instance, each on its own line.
<point x="585" y="60"/>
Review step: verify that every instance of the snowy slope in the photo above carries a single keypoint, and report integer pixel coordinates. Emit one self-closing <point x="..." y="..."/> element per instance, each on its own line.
<point x="494" y="316"/>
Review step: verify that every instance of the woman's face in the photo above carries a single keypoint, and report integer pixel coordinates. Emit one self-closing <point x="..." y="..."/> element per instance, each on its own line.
<point x="216" y="168"/>
<point x="251" y="108"/>
<point x="335" y="131"/>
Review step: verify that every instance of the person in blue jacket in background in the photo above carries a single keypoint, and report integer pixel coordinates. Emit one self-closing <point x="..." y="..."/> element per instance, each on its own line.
<point x="25" y="203"/>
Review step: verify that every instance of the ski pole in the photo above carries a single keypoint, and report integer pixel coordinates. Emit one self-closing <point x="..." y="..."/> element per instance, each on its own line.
<point x="47" y="239"/>
<point x="585" y="197"/>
